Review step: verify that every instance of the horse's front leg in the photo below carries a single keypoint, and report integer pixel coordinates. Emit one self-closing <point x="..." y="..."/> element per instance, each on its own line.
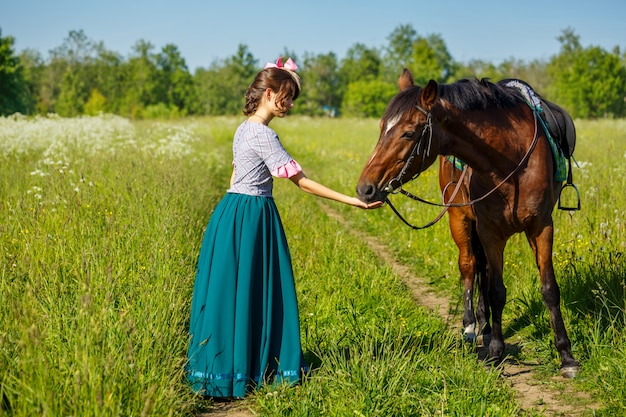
<point x="461" y="229"/>
<point x="541" y="245"/>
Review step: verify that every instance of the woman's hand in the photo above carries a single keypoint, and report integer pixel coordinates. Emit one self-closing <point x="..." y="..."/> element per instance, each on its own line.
<point x="366" y="206"/>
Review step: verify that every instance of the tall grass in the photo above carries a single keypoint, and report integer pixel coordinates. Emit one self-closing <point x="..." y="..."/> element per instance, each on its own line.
<point x="101" y="225"/>
<point x="99" y="238"/>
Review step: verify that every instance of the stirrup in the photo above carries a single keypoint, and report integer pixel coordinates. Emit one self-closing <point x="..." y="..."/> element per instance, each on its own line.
<point x="561" y="206"/>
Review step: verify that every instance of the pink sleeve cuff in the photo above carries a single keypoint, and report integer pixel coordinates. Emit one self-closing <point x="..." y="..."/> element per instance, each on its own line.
<point x="288" y="170"/>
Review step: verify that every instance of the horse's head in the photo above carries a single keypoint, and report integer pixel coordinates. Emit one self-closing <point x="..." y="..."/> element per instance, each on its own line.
<point x="405" y="146"/>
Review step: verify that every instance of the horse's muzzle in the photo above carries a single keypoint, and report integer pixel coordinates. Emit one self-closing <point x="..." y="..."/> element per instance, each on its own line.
<point x="370" y="193"/>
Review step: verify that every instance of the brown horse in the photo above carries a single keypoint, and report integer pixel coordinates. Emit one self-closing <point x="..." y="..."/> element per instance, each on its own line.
<point x="510" y="187"/>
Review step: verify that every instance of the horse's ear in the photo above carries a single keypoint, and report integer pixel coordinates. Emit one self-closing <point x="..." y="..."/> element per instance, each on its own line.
<point x="406" y="80"/>
<point x="430" y="93"/>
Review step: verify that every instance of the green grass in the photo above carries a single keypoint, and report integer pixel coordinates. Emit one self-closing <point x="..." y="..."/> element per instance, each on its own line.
<point x="102" y="222"/>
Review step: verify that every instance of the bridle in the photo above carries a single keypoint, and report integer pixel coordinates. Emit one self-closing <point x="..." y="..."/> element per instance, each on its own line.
<point x="428" y="129"/>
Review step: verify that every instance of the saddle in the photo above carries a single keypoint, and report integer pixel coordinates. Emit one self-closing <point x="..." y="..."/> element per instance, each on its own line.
<point x="559" y="125"/>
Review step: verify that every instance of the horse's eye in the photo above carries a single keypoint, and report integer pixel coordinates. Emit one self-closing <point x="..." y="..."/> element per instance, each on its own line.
<point x="408" y="135"/>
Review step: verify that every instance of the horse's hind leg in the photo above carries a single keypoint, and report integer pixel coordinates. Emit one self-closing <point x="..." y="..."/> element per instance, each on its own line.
<point x="496" y="292"/>
<point x="542" y="248"/>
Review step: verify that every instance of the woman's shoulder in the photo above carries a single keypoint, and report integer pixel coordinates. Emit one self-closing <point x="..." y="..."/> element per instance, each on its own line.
<point x="255" y="130"/>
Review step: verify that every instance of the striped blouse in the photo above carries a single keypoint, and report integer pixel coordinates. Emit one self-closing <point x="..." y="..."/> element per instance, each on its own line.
<point x="257" y="156"/>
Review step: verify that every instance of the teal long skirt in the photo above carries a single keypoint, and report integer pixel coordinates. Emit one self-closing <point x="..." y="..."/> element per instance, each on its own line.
<point x="244" y="326"/>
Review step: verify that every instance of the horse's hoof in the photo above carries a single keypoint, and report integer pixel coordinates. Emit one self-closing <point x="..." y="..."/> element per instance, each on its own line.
<point x="569" y="371"/>
<point x="492" y="363"/>
<point x="470" y="337"/>
<point x="469" y="333"/>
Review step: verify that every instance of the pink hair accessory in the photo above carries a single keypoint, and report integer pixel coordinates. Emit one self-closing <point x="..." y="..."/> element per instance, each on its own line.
<point x="289" y="65"/>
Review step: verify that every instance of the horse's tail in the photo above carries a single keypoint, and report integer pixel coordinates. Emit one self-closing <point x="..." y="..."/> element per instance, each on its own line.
<point x="480" y="270"/>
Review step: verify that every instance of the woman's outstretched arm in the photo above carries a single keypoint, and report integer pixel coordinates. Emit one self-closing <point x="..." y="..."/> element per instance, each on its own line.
<point x="312" y="187"/>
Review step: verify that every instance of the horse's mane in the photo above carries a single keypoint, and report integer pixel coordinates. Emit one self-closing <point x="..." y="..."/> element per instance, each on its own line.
<point x="465" y="95"/>
<point x="474" y="94"/>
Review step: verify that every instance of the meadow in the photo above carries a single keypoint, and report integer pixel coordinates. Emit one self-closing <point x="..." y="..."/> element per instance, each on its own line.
<point x="102" y="220"/>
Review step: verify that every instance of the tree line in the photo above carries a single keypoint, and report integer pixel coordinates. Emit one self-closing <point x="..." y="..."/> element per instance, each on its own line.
<point x="83" y="77"/>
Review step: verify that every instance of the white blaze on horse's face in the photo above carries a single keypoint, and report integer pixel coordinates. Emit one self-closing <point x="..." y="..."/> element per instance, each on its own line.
<point x="390" y="125"/>
<point x="392" y="122"/>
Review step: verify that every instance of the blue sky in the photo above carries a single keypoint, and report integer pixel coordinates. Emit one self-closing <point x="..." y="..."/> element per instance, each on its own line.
<point x="210" y="30"/>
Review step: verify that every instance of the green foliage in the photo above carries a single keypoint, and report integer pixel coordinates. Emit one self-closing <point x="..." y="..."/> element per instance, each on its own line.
<point x="430" y="59"/>
<point x="76" y="56"/>
<point x="175" y="84"/>
<point x="322" y="87"/>
<point x="427" y="57"/>
<point x="71" y="100"/>
<point x="222" y="88"/>
<point x="96" y="104"/>
<point x="140" y="80"/>
<point x="425" y="65"/>
<point x="32" y="67"/>
<point x="159" y="111"/>
<point x="590" y="82"/>
<point x="477" y="68"/>
<point x="367" y="98"/>
<point x="13" y="87"/>
<point x="398" y="52"/>
<point x="360" y="64"/>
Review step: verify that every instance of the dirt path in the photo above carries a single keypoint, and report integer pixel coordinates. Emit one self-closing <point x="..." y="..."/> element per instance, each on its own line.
<point x="234" y="409"/>
<point x="553" y="398"/>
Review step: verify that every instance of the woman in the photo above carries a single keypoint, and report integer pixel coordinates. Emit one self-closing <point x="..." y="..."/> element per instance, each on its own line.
<point x="244" y="323"/>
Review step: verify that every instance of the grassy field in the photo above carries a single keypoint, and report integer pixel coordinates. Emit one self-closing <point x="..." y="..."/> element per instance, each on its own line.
<point x="101" y="225"/>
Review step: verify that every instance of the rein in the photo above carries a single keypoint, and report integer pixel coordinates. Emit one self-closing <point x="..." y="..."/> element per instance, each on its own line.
<point x="445" y="206"/>
<point x="415" y="151"/>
